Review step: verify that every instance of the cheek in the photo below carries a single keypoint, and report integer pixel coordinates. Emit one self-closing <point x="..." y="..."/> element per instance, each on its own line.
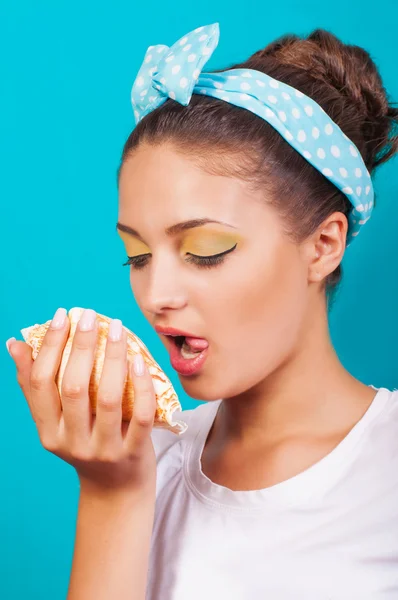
<point x="273" y="295"/>
<point x="262" y="314"/>
<point x="137" y="288"/>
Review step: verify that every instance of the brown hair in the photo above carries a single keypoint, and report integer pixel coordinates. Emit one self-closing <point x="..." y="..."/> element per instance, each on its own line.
<point x="225" y="139"/>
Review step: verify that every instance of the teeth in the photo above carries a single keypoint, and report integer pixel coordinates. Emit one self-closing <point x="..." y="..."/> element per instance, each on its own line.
<point x="186" y="352"/>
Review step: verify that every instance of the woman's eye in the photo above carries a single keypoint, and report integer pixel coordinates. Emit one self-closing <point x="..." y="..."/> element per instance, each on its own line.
<point x="138" y="262"/>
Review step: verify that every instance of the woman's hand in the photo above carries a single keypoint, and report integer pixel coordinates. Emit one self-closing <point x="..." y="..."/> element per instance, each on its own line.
<point x="107" y="453"/>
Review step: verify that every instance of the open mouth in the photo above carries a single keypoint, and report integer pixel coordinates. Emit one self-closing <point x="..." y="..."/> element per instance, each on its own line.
<point x="177" y="341"/>
<point x="184" y="358"/>
<point x="184" y="349"/>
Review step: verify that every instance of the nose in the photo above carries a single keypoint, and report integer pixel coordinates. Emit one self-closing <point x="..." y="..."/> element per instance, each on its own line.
<point x="165" y="286"/>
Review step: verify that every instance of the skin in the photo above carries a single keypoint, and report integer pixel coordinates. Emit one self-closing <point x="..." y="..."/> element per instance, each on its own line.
<point x="287" y="399"/>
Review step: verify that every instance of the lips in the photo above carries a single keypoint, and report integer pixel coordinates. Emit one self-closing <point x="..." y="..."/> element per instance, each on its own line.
<point x="185" y="366"/>
<point x="174" y="331"/>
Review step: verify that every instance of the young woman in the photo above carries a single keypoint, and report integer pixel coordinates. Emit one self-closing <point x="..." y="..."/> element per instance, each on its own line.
<point x="239" y="193"/>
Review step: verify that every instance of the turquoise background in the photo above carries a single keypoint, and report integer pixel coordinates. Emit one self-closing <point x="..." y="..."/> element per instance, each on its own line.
<point x="67" y="69"/>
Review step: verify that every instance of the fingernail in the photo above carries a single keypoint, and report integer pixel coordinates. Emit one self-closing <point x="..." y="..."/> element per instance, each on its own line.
<point x="138" y="364"/>
<point x="87" y="320"/>
<point x="58" y="319"/>
<point x="8" y="344"/>
<point x="115" y="330"/>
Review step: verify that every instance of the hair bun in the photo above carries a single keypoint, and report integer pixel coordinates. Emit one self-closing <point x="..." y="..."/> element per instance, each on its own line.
<point x="350" y="84"/>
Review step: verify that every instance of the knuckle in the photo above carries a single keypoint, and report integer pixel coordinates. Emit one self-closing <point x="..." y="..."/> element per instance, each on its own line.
<point x="107" y="456"/>
<point x="48" y="442"/>
<point x="144" y="419"/>
<point x="112" y="349"/>
<point x="80" y="453"/>
<point x="83" y="341"/>
<point x="115" y="350"/>
<point x="20" y="380"/>
<point x="108" y="407"/>
<point x="39" y="377"/>
<point x="37" y="382"/>
<point x="73" y="391"/>
<point x="52" y="338"/>
<point x="108" y="400"/>
<point x="81" y="345"/>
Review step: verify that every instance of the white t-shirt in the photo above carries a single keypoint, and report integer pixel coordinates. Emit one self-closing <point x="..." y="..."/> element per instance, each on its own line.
<point x="329" y="533"/>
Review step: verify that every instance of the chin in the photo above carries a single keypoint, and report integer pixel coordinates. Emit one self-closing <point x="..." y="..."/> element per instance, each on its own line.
<point x="199" y="389"/>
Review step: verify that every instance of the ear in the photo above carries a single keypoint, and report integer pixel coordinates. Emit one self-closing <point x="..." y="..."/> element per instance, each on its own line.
<point x="328" y="246"/>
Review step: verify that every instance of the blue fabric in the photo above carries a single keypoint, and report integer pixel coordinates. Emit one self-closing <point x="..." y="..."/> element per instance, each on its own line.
<point x="176" y="73"/>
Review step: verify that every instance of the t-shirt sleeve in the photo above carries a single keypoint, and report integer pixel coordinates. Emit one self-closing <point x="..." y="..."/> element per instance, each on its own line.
<point x="169" y="448"/>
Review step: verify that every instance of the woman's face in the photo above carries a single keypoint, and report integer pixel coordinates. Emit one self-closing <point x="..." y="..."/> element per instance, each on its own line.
<point x="251" y="306"/>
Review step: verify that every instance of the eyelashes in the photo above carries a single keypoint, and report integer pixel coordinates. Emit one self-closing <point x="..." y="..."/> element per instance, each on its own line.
<point x="139" y="262"/>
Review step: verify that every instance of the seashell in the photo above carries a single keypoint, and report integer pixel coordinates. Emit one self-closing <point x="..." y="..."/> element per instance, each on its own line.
<point x="166" y="398"/>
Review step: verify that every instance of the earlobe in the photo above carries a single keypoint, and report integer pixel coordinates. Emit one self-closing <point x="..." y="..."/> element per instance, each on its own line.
<point x="314" y="276"/>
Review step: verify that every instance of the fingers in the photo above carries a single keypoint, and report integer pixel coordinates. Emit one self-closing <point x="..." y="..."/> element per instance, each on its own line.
<point x="144" y="410"/>
<point x="69" y="413"/>
<point x="43" y="391"/>
<point x="108" y="420"/>
<point x="76" y="406"/>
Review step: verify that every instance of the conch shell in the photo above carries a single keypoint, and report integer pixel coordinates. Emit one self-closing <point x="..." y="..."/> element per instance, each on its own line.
<point x="166" y="398"/>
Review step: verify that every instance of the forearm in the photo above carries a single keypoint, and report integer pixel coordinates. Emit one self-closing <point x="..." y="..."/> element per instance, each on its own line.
<point x="112" y="545"/>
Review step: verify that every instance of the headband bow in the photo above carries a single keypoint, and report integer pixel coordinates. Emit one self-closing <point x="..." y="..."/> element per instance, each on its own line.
<point x="172" y="72"/>
<point x="176" y="73"/>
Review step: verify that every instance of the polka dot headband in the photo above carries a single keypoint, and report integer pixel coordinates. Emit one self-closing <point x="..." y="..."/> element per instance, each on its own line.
<point x="176" y="73"/>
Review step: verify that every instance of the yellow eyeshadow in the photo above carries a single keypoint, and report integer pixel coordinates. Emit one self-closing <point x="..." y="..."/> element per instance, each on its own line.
<point x="133" y="246"/>
<point x="202" y="243"/>
<point x="207" y="243"/>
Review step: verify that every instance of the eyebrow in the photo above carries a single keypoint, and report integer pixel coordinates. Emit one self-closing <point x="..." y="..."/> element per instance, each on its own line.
<point x="173" y="229"/>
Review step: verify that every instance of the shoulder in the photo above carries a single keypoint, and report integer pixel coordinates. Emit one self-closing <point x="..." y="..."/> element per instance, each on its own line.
<point x="388" y="401"/>
<point x="381" y="431"/>
<point x="390" y="409"/>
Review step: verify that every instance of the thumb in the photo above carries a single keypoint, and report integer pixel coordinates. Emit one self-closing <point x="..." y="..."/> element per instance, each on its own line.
<point x="21" y="353"/>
